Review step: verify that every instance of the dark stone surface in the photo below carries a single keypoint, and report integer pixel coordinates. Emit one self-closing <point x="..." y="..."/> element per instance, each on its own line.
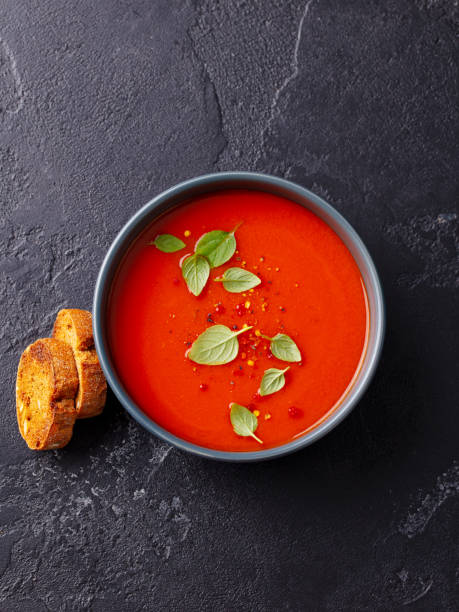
<point x="104" y="104"/>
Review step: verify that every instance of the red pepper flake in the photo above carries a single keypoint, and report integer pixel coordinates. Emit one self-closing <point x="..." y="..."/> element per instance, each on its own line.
<point x="203" y="387"/>
<point x="238" y="372"/>
<point x="295" y="412"/>
<point x="240" y="310"/>
<point x="219" y="308"/>
<point x="176" y="281"/>
<point x="251" y="407"/>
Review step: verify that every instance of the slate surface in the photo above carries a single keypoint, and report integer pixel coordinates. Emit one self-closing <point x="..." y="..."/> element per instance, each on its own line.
<point x="104" y="104"/>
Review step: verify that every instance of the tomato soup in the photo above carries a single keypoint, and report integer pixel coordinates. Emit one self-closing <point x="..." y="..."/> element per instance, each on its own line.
<point x="311" y="290"/>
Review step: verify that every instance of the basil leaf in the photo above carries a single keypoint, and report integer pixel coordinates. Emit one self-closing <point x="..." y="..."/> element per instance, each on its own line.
<point x="216" y="346"/>
<point x="236" y="280"/>
<point x="168" y="243"/>
<point x="273" y="380"/>
<point x="195" y="271"/>
<point x="218" y="246"/>
<point x="283" y="347"/>
<point x="243" y="421"/>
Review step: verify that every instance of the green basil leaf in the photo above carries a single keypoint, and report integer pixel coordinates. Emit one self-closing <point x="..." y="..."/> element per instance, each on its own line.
<point x="273" y="380"/>
<point x="236" y="280"/>
<point x="168" y="243"/>
<point x="218" y="246"/>
<point x="283" y="347"/>
<point x="216" y="346"/>
<point x="243" y="421"/>
<point x="195" y="271"/>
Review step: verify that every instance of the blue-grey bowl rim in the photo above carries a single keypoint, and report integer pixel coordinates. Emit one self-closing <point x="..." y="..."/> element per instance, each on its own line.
<point x="180" y="190"/>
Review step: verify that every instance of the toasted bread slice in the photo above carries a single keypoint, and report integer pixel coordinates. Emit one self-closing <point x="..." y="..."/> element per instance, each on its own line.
<point x="74" y="327"/>
<point x="46" y="385"/>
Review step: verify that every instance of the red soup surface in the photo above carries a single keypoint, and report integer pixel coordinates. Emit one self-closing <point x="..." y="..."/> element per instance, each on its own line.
<point x="311" y="290"/>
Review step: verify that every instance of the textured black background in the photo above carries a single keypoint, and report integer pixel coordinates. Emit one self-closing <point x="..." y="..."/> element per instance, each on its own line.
<point x="104" y="104"/>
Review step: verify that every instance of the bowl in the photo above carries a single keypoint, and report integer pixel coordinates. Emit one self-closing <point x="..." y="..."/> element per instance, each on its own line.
<point x="243" y="180"/>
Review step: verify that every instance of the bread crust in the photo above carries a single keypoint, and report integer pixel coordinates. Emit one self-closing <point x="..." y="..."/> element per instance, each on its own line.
<point x="74" y="326"/>
<point x="46" y="385"/>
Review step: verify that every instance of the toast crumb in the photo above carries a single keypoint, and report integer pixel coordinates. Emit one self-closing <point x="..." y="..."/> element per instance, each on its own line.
<point x="47" y="382"/>
<point x="74" y="326"/>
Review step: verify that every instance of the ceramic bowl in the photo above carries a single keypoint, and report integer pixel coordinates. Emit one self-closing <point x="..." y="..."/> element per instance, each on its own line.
<point x="271" y="184"/>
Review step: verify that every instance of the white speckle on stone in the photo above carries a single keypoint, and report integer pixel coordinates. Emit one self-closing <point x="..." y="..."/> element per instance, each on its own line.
<point x="160" y="454"/>
<point x="403" y="575"/>
<point x="117" y="510"/>
<point x="175" y="525"/>
<point x="447" y="486"/>
<point x="17" y="94"/>
<point x="82" y="502"/>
